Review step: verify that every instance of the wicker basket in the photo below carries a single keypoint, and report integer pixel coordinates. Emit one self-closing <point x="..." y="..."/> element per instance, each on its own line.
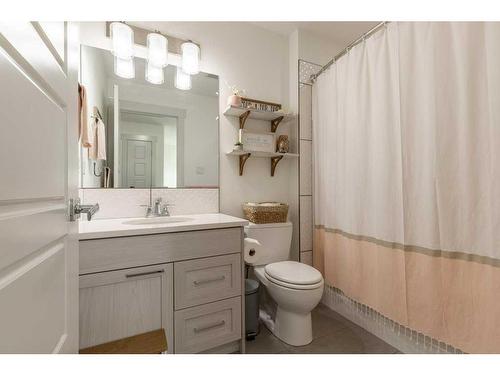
<point x="265" y="212"/>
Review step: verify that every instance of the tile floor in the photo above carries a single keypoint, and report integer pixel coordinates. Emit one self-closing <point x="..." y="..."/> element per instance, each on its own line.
<point x="332" y="334"/>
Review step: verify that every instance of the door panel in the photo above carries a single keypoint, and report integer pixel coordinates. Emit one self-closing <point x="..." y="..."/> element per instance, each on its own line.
<point x="38" y="159"/>
<point x="24" y="43"/>
<point x="138" y="163"/>
<point x="29" y="227"/>
<point x="33" y="304"/>
<point x="38" y="149"/>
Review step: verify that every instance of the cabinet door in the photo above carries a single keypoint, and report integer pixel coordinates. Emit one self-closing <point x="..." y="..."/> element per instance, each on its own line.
<point x="123" y="303"/>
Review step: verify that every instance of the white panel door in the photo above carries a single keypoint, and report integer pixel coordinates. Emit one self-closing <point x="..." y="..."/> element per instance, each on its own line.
<point x="137" y="163"/>
<point x="39" y="172"/>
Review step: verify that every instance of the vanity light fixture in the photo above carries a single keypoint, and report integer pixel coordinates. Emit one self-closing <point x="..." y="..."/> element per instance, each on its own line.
<point x="154" y="74"/>
<point x="124" y="68"/>
<point x="122" y="37"/>
<point x="190" y="58"/>
<point x="157" y="50"/>
<point x="182" y="80"/>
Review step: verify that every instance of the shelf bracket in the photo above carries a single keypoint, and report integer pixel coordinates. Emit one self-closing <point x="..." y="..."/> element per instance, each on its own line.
<point x="243" y="118"/>
<point x="243" y="160"/>
<point x="274" y="162"/>
<point x="275" y="123"/>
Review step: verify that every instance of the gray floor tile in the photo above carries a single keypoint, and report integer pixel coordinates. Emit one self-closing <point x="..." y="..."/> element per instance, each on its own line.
<point x="332" y="334"/>
<point x="265" y="343"/>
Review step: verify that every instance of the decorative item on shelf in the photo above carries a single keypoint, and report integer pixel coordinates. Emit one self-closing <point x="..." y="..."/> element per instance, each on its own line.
<point x="283" y="144"/>
<point x="260" y="105"/>
<point x="234" y="100"/>
<point x="265" y="212"/>
<point x="238" y="146"/>
<point x="263" y="142"/>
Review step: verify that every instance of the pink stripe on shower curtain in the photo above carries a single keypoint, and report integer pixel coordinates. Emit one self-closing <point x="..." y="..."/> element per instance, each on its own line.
<point x="407" y="178"/>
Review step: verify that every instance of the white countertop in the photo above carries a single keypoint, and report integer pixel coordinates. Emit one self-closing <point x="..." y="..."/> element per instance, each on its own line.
<point x="106" y="228"/>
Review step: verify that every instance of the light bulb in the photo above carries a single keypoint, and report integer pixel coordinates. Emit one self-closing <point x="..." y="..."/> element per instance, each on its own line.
<point x="182" y="80"/>
<point x="124" y="68"/>
<point x="122" y="37"/>
<point x="157" y="50"/>
<point x="190" y="58"/>
<point x="154" y="74"/>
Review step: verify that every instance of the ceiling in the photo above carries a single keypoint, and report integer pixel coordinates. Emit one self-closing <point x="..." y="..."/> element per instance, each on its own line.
<point x="340" y="32"/>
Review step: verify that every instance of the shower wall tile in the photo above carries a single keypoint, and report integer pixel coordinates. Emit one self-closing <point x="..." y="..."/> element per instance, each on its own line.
<point x="117" y="203"/>
<point x="305" y="114"/>
<point x="306" y="223"/>
<point x="305" y="167"/>
<point x="306" y="257"/>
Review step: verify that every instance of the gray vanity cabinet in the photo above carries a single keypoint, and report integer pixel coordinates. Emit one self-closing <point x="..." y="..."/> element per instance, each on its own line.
<point x="189" y="283"/>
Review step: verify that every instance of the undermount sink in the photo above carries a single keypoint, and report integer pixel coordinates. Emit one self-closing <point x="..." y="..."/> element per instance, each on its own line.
<point x="157" y="220"/>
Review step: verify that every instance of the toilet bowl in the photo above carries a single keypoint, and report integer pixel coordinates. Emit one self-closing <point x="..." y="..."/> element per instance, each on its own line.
<point x="296" y="288"/>
<point x="295" y="298"/>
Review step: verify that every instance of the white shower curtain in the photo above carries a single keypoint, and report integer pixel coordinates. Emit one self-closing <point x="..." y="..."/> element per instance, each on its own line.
<point x="407" y="178"/>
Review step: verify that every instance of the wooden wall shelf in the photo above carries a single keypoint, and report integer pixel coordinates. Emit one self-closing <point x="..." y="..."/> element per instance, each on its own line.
<point x="275" y="157"/>
<point x="243" y="114"/>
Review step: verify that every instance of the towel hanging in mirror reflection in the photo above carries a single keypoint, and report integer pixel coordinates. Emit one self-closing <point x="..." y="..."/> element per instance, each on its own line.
<point x="97" y="150"/>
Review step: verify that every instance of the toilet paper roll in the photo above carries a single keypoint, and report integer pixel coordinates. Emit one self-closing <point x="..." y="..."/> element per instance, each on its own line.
<point x="251" y="249"/>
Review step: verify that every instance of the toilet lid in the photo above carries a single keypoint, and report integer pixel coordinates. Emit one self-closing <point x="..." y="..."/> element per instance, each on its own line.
<point x="293" y="273"/>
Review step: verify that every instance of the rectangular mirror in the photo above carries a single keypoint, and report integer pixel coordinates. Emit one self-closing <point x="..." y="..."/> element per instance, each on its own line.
<point x="150" y="135"/>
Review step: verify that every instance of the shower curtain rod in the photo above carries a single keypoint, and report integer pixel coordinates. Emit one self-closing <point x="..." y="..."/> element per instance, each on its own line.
<point x="345" y="50"/>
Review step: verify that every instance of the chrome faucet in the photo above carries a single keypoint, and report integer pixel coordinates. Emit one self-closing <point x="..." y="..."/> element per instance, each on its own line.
<point x="75" y="209"/>
<point x="158" y="209"/>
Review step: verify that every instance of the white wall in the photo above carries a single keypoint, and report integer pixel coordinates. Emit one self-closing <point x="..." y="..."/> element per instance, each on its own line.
<point x="93" y="77"/>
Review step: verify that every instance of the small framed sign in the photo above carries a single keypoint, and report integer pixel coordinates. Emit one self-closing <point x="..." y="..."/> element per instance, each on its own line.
<point x="260" y="105"/>
<point x="264" y="142"/>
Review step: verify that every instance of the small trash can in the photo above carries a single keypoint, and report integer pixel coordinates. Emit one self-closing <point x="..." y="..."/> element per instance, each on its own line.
<point x="251" y="308"/>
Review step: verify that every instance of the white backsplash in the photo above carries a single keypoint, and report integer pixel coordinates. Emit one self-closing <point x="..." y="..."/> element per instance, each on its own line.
<point x="117" y="203"/>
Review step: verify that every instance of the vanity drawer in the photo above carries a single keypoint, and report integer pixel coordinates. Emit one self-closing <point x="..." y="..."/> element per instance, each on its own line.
<point x="124" y="252"/>
<point x="207" y="326"/>
<point x="206" y="280"/>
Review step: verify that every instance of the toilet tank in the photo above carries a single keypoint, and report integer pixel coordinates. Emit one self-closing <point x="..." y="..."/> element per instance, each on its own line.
<point x="275" y="239"/>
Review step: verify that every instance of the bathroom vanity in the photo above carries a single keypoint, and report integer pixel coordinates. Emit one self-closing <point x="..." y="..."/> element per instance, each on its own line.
<point x="182" y="274"/>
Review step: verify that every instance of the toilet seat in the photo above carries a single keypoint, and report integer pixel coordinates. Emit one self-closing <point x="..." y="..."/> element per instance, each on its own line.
<point x="293" y="275"/>
<point x="294" y="286"/>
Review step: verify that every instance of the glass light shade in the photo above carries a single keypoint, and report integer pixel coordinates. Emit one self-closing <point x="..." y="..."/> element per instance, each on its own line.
<point x="190" y="58"/>
<point x="157" y="50"/>
<point x="125" y="68"/>
<point x="122" y="38"/>
<point x="154" y="74"/>
<point x="182" y="80"/>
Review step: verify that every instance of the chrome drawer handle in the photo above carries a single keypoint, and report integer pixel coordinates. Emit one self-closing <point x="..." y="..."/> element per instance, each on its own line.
<point x="143" y="273"/>
<point x="210" y="326"/>
<point x="206" y="281"/>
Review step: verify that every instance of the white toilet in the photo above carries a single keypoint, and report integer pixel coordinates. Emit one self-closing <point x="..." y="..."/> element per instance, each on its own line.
<point x="296" y="288"/>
